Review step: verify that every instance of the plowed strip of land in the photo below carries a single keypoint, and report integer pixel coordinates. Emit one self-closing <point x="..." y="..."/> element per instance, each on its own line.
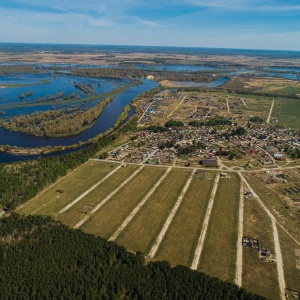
<point x="239" y="253"/>
<point x="179" y="244"/>
<point x="107" y="219"/>
<point x="99" y="205"/>
<point x="85" y="205"/>
<point x="270" y="112"/>
<point x="67" y="189"/>
<point x="279" y="260"/>
<point x="170" y="217"/>
<point x="141" y="233"/>
<point x="139" y="206"/>
<point x="291" y="254"/>
<point x="202" y="236"/>
<point x="258" y="275"/>
<point x="219" y="250"/>
<point x="88" y="191"/>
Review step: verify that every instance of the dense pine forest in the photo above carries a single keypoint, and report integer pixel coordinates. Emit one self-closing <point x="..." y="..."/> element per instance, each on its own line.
<point x="43" y="259"/>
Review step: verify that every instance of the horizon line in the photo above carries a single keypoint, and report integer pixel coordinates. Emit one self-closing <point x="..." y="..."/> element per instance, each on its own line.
<point x="150" y="46"/>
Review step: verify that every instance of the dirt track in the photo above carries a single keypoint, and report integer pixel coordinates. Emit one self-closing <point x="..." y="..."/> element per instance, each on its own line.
<point x="139" y="206"/>
<point x="99" y="205"/>
<point x="239" y="254"/>
<point x="88" y="191"/>
<point x="171" y="217"/>
<point x="199" y="247"/>
<point x="278" y="254"/>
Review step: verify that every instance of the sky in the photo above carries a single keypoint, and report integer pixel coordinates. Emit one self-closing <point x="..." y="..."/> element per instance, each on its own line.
<point x="242" y="24"/>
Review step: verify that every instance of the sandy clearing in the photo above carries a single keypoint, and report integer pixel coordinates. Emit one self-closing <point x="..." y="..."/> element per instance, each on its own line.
<point x="278" y="254"/>
<point x="88" y="191"/>
<point x="99" y="205"/>
<point x="239" y="253"/>
<point x="139" y="206"/>
<point x="170" y="217"/>
<point x="199" y="247"/>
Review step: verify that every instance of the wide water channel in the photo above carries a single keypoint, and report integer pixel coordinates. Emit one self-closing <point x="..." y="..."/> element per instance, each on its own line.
<point x="108" y="117"/>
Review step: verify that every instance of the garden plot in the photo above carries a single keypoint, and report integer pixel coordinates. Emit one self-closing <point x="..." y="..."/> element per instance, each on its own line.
<point x="106" y="221"/>
<point x="258" y="276"/>
<point x="179" y="244"/>
<point x="219" y="250"/>
<point x="142" y="232"/>
<point x="66" y="190"/>
<point x="82" y="208"/>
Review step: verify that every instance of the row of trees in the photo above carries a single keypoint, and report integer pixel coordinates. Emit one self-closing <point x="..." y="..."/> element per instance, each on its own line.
<point x="43" y="259"/>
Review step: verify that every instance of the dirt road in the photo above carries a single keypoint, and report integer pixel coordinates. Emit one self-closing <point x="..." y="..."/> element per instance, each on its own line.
<point x="199" y="247"/>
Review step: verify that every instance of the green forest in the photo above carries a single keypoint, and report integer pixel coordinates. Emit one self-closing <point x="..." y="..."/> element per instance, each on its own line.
<point x="21" y="181"/>
<point x="43" y="259"/>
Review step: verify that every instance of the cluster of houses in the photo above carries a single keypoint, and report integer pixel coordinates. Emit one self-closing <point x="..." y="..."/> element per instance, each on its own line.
<point x="192" y="146"/>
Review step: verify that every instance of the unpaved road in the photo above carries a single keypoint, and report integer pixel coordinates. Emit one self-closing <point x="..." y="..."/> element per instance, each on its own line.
<point x="270" y="112"/>
<point x="199" y="247"/>
<point x="171" y="217"/>
<point x="139" y="206"/>
<point x="239" y="254"/>
<point x="88" y="191"/>
<point x="176" y="107"/>
<point x="278" y="254"/>
<point x="99" y="205"/>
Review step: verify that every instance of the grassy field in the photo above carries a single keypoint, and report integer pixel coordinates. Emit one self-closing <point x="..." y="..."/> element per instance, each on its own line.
<point x="106" y="221"/>
<point x="289" y="248"/>
<point x="51" y="201"/>
<point x="290" y="113"/>
<point x="219" y="250"/>
<point x="285" y="213"/>
<point x="145" y="227"/>
<point x="178" y="246"/>
<point x="258" y="277"/>
<point x="78" y="211"/>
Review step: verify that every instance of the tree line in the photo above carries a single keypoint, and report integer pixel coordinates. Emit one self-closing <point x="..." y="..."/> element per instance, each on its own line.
<point x="43" y="259"/>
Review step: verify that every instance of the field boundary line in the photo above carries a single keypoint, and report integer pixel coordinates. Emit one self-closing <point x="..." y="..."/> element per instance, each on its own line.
<point x="176" y="107"/>
<point x="139" y="206"/>
<point x="270" y="112"/>
<point x="88" y="191"/>
<point x="171" y="216"/>
<point x="99" y="205"/>
<point x="52" y="185"/>
<point x="244" y="102"/>
<point x="228" y="109"/>
<point x="278" y="254"/>
<point x="202" y="236"/>
<point x="239" y="253"/>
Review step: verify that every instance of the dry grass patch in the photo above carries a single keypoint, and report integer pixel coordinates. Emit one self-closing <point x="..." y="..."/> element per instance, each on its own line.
<point x="79" y="210"/>
<point x="219" y="250"/>
<point x="291" y="254"/>
<point x="178" y="246"/>
<point x="106" y="221"/>
<point x="282" y="209"/>
<point x="62" y="193"/>
<point x="258" y="277"/>
<point x="145" y="227"/>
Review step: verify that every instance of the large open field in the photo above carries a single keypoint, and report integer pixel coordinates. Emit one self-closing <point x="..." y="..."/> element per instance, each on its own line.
<point x="169" y="213"/>
<point x="219" y="251"/>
